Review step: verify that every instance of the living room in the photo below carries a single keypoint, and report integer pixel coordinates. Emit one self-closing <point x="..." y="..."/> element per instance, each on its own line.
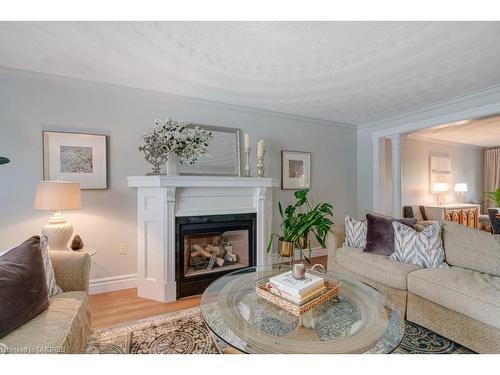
<point x="249" y="187"/>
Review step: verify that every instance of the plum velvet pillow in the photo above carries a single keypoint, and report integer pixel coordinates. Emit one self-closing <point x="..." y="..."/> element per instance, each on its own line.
<point x="380" y="234"/>
<point x="23" y="289"/>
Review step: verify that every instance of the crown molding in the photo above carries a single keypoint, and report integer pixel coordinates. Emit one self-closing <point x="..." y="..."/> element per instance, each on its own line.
<point x="464" y="107"/>
<point x="106" y="88"/>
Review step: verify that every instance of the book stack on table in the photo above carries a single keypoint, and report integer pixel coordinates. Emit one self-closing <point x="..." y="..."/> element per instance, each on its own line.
<point x="298" y="296"/>
<point x="297" y="291"/>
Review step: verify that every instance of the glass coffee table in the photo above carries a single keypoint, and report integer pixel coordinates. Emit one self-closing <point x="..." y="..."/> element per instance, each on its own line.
<point x="358" y="320"/>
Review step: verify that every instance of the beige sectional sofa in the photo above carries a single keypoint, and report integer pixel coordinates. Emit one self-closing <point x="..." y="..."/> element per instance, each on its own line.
<point x="65" y="326"/>
<point x="461" y="303"/>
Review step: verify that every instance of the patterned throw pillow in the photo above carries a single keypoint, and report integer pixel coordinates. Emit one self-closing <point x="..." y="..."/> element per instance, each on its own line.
<point x="355" y="232"/>
<point x="420" y="248"/>
<point x="52" y="287"/>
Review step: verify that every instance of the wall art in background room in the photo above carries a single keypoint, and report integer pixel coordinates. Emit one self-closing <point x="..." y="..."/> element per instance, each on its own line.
<point x="295" y="170"/>
<point x="223" y="157"/>
<point x="75" y="157"/>
<point x="440" y="171"/>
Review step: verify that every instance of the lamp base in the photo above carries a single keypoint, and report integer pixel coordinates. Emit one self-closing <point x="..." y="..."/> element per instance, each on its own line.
<point x="440" y="199"/>
<point x="58" y="232"/>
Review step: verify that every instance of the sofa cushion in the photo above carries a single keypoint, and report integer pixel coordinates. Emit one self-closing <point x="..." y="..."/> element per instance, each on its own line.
<point x="376" y="267"/>
<point x="63" y="328"/>
<point x="471" y="293"/>
<point x="380" y="234"/>
<point x="23" y="289"/>
<point x="471" y="248"/>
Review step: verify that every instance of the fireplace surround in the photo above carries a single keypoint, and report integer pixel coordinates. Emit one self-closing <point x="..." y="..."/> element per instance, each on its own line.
<point x="163" y="201"/>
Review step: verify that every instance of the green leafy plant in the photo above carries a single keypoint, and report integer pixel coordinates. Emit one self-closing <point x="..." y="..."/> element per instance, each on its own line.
<point x="494" y="196"/>
<point x="302" y="218"/>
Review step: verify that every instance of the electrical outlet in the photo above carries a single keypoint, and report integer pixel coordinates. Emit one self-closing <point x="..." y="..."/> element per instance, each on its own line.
<point x="123" y="248"/>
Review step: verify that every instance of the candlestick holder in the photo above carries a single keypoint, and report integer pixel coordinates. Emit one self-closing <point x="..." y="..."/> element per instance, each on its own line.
<point x="260" y="165"/>
<point x="247" y="161"/>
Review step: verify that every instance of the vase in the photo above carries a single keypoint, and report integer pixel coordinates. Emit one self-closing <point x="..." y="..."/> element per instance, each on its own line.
<point x="285" y="248"/>
<point x="156" y="170"/>
<point x="172" y="164"/>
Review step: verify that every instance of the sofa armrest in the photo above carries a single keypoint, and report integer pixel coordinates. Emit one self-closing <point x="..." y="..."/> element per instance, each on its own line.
<point x="71" y="269"/>
<point x="334" y="240"/>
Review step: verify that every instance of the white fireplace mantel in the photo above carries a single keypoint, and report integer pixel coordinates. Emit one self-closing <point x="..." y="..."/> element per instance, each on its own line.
<point x="160" y="199"/>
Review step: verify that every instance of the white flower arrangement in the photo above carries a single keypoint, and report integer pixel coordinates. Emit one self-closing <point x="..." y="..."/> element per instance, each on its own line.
<point x="189" y="143"/>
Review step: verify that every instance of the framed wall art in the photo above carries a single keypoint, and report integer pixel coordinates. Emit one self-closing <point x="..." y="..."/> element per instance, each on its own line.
<point x="295" y="170"/>
<point x="440" y="171"/>
<point x="75" y="157"/>
<point x="223" y="154"/>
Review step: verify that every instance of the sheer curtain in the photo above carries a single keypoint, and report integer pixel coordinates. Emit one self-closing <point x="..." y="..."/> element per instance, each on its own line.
<point x="491" y="172"/>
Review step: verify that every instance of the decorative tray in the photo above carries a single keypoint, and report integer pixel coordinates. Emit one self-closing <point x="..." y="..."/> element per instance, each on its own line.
<point x="264" y="291"/>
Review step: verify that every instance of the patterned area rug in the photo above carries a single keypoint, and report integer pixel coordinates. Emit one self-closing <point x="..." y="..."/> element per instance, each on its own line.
<point x="185" y="332"/>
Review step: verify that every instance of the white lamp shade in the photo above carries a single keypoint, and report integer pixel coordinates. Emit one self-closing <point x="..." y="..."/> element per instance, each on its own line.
<point x="460" y="187"/>
<point x="440" y="187"/>
<point x="57" y="196"/>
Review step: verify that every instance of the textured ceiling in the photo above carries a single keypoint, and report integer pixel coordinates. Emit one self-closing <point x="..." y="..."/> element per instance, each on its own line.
<point x="351" y="72"/>
<point x="482" y="132"/>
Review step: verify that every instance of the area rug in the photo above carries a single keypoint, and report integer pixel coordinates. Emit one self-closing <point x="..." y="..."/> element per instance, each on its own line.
<point x="185" y="332"/>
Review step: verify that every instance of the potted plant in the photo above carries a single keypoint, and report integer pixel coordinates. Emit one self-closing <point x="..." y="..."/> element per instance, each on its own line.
<point x="172" y="141"/>
<point x="299" y="220"/>
<point x="494" y="196"/>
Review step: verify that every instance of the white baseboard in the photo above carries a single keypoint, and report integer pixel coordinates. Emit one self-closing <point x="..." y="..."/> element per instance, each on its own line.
<point x="113" y="283"/>
<point x="110" y="284"/>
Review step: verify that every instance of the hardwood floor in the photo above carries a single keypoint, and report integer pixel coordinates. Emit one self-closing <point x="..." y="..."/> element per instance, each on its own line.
<point x="124" y="305"/>
<point x="112" y="308"/>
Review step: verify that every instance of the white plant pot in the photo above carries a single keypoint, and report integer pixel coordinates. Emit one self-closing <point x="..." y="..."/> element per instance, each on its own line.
<point x="173" y="168"/>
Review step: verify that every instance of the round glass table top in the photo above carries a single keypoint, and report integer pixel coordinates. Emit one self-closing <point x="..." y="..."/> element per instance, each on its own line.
<point x="358" y="320"/>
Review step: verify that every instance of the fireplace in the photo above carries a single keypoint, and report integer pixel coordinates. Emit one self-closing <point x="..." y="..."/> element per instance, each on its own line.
<point x="210" y="246"/>
<point x="166" y="204"/>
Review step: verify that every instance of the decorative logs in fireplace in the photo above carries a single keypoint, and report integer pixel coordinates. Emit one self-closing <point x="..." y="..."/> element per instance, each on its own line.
<point x="206" y="256"/>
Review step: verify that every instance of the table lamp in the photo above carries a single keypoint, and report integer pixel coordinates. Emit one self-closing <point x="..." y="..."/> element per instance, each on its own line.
<point x="460" y="188"/>
<point x="440" y="188"/>
<point x="57" y="196"/>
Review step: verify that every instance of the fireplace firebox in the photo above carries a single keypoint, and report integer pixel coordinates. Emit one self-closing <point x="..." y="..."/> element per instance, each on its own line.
<point x="208" y="247"/>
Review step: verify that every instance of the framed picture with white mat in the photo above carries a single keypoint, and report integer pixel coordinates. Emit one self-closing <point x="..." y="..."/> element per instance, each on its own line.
<point x="75" y="157"/>
<point x="295" y="170"/>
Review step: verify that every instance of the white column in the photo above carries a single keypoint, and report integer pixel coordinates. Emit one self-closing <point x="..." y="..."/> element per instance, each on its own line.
<point x="170" y="285"/>
<point x="396" y="175"/>
<point x="263" y="205"/>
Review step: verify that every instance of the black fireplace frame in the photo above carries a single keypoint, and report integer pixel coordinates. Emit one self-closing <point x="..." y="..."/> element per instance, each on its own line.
<point x="188" y="286"/>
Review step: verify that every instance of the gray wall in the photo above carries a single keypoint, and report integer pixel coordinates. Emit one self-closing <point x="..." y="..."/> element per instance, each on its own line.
<point x="466" y="166"/>
<point x="30" y="103"/>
